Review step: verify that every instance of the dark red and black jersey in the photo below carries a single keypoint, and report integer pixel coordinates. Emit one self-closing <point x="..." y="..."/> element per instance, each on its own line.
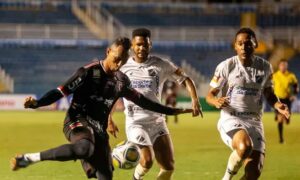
<point x="94" y="94"/>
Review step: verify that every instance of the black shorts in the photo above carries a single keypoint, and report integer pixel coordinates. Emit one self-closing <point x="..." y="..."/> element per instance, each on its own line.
<point x="286" y="101"/>
<point x="101" y="160"/>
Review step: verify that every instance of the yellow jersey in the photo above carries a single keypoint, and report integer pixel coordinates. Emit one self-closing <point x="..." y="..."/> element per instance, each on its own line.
<point x="283" y="83"/>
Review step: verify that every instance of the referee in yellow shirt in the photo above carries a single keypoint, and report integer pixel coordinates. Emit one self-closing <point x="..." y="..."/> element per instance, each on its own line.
<point x="286" y="89"/>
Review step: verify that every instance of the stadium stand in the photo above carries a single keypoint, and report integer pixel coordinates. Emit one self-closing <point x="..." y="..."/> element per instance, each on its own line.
<point x="294" y="65"/>
<point x="62" y="15"/>
<point x="199" y="33"/>
<point x="40" y="20"/>
<point x="39" y="65"/>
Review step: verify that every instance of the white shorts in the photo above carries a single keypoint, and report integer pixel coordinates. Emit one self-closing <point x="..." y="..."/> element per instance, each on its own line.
<point x="253" y="127"/>
<point x="146" y="134"/>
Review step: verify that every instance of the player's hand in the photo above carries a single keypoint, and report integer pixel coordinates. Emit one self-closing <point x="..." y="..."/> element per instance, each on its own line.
<point x="282" y="109"/>
<point x="112" y="128"/>
<point x="221" y="102"/>
<point x="197" y="109"/>
<point x="182" y="111"/>
<point x="30" y="102"/>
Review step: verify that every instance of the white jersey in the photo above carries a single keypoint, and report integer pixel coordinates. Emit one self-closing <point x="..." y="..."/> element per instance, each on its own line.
<point x="148" y="78"/>
<point x="243" y="85"/>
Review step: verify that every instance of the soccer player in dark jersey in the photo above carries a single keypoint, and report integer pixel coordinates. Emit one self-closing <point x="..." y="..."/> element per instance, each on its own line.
<point x="95" y="88"/>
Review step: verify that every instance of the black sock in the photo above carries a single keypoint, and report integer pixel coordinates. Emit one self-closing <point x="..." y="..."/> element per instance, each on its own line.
<point x="280" y="130"/>
<point x="81" y="149"/>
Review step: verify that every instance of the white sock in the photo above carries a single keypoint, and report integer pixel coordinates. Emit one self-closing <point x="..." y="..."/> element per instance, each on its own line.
<point x="234" y="164"/>
<point x="140" y="172"/>
<point x="33" y="157"/>
<point x="165" y="174"/>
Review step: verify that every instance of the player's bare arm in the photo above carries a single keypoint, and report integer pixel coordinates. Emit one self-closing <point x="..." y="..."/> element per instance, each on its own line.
<point x="190" y="86"/>
<point x="112" y="127"/>
<point x="140" y="100"/>
<point x="273" y="101"/>
<point x="218" y="102"/>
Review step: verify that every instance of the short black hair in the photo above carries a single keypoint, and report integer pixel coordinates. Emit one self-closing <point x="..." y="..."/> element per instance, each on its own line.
<point x="144" y="32"/>
<point x="122" y="41"/>
<point x="283" y="60"/>
<point x="250" y="32"/>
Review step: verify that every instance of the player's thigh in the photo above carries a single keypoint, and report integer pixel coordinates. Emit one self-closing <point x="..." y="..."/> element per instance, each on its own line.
<point x="79" y="133"/>
<point x="241" y="139"/>
<point x="233" y="132"/>
<point x="78" y="129"/>
<point x="164" y="152"/>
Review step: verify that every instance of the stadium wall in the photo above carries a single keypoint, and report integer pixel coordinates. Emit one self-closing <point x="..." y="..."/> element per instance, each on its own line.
<point x="16" y="101"/>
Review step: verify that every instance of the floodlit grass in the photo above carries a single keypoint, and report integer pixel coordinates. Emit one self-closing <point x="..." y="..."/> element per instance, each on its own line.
<point x="199" y="152"/>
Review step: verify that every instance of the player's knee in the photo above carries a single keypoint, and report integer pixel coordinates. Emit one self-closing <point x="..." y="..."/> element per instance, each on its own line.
<point x="84" y="149"/>
<point x="147" y="162"/>
<point x="244" y="149"/>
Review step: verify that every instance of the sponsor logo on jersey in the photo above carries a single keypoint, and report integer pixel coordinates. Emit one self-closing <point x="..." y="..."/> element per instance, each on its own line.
<point x="235" y="113"/>
<point x="141" y="84"/>
<point x="74" y="84"/>
<point x="246" y="91"/>
<point x="108" y="102"/>
<point x="95" y="124"/>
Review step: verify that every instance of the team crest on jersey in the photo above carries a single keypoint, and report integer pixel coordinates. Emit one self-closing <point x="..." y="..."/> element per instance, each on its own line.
<point x="152" y="72"/>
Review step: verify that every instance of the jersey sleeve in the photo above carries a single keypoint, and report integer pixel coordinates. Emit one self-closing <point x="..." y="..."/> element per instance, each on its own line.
<point x="269" y="79"/>
<point x="219" y="78"/>
<point x="73" y="82"/>
<point x="174" y="72"/>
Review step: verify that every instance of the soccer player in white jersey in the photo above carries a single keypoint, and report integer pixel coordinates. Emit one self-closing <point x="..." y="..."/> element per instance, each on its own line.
<point x="243" y="81"/>
<point x="145" y="128"/>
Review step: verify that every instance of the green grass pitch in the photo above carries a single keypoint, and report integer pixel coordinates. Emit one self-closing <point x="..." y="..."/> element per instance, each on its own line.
<point x="199" y="152"/>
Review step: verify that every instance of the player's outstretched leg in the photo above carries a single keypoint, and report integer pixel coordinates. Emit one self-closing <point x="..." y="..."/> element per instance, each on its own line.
<point x="82" y="147"/>
<point x="242" y="146"/>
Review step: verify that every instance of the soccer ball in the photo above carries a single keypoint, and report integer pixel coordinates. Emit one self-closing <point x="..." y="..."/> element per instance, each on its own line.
<point x="125" y="155"/>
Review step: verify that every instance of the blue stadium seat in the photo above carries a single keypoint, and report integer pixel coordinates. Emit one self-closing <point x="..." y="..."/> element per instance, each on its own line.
<point x="60" y="15"/>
